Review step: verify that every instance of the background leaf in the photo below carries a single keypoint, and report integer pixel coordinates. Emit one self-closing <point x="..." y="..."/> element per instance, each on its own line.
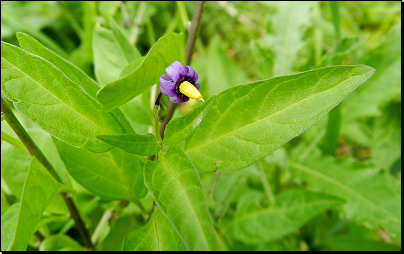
<point x="60" y="243"/>
<point x="384" y="86"/>
<point x="133" y="143"/>
<point x="177" y="190"/>
<point x="157" y="235"/>
<point x="285" y="36"/>
<point x="223" y="72"/>
<point x="250" y="121"/>
<point x="291" y="210"/>
<point x="373" y="196"/>
<point x="181" y="127"/>
<point x="114" y="175"/>
<point x="167" y="49"/>
<point x="111" y="53"/>
<point x="20" y="220"/>
<point x="45" y="95"/>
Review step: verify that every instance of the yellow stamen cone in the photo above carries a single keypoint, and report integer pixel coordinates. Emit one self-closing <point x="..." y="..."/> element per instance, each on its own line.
<point x="190" y="90"/>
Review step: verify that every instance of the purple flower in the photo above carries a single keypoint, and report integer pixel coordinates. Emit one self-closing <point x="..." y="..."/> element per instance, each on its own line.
<point x="179" y="83"/>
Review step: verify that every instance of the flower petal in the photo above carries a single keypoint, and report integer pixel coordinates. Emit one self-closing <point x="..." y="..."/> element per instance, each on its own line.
<point x="167" y="86"/>
<point x="176" y="71"/>
<point x="178" y="99"/>
<point x="197" y="86"/>
<point x="191" y="74"/>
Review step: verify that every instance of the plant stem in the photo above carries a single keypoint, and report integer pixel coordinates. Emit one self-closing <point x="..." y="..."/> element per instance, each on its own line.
<point x="35" y="151"/>
<point x="193" y="31"/>
<point x="266" y="185"/>
<point x="192" y="35"/>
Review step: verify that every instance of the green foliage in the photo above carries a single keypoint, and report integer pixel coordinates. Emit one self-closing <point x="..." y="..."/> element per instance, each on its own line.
<point x="35" y="86"/>
<point x="60" y="243"/>
<point x="291" y="209"/>
<point x="18" y="223"/>
<point x="181" y="127"/>
<point x="133" y="143"/>
<point x="372" y="195"/>
<point x="157" y="235"/>
<point x="167" y="50"/>
<point x="177" y="190"/>
<point x="114" y="175"/>
<point x="279" y="109"/>
<point x="260" y="165"/>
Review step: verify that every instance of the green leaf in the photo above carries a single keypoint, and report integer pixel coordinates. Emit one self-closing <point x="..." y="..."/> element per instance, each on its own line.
<point x="386" y="143"/>
<point x="286" y="37"/>
<point x="250" y="121"/>
<point x="109" y="56"/>
<point x="14" y="168"/>
<point x="167" y="49"/>
<point x="373" y="196"/>
<point x="18" y="223"/>
<point x="177" y="190"/>
<point x="114" y="175"/>
<point x="130" y="51"/>
<point x="60" y="242"/>
<point x="4" y="203"/>
<point x="385" y="85"/>
<point x="131" y="66"/>
<point x="133" y="143"/>
<point x="45" y="95"/>
<point x="157" y="235"/>
<point x="350" y="243"/>
<point x="222" y="73"/>
<point x="135" y="111"/>
<point x="108" y="8"/>
<point x="181" y="127"/>
<point x="70" y="70"/>
<point x="291" y="210"/>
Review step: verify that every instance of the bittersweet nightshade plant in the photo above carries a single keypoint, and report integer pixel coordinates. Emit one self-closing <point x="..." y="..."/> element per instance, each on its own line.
<point x="253" y="167"/>
<point x="179" y="84"/>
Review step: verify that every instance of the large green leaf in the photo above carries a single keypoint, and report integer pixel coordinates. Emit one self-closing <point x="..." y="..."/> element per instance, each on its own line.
<point x="31" y="45"/>
<point x="373" y="196"/>
<point x="133" y="143"/>
<point x="70" y="70"/>
<point x="250" y="121"/>
<point x="157" y="235"/>
<point x="177" y="190"/>
<point x="58" y="105"/>
<point x="114" y="175"/>
<point x="18" y="223"/>
<point x="181" y="127"/>
<point x="167" y="49"/>
<point x="291" y="210"/>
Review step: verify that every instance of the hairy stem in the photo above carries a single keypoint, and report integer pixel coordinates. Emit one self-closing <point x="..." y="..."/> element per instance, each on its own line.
<point x="35" y="151"/>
